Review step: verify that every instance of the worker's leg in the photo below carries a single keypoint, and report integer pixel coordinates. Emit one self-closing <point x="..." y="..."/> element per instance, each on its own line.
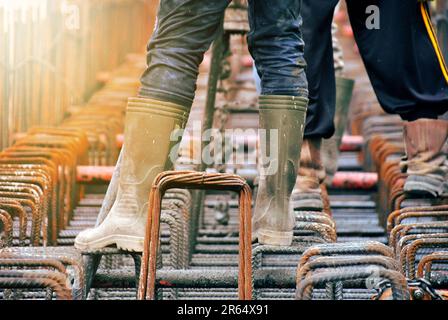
<point x="344" y="90"/>
<point x="275" y="42"/>
<point x="317" y="22"/>
<point x="410" y="78"/>
<point x="317" y="33"/>
<point x="402" y="62"/>
<point x="184" y="31"/>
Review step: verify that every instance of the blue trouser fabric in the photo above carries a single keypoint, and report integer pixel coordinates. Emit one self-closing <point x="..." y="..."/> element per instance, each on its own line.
<point x="185" y="30"/>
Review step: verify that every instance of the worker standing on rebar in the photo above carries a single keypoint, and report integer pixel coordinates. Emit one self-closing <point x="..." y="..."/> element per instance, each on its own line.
<point x="410" y="78"/>
<point x="184" y="31"/>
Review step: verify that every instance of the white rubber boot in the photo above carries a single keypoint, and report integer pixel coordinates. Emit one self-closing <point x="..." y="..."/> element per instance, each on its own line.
<point x="149" y="125"/>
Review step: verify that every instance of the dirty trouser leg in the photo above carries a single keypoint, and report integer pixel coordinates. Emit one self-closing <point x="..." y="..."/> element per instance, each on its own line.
<point x="319" y="54"/>
<point x="184" y="31"/>
<point x="275" y="42"/>
<point x="400" y="59"/>
<point x="317" y="22"/>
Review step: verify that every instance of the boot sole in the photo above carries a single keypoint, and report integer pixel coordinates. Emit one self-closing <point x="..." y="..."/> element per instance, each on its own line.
<point x="309" y="204"/>
<point x="274" y="238"/>
<point x="422" y="189"/>
<point x="126" y="243"/>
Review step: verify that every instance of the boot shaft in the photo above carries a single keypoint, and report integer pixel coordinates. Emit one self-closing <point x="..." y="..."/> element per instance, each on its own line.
<point x="426" y="161"/>
<point x="312" y="172"/>
<point x="147" y="146"/>
<point x="425" y="142"/>
<point x="273" y="220"/>
<point x="286" y="115"/>
<point x="425" y="136"/>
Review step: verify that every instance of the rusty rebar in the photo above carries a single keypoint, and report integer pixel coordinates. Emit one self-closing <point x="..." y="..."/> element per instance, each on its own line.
<point x="196" y="180"/>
